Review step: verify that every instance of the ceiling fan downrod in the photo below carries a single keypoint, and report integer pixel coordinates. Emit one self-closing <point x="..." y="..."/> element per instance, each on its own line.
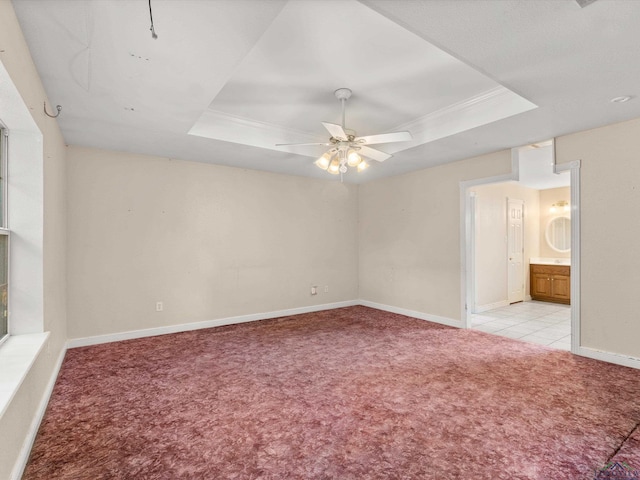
<point x="343" y="94"/>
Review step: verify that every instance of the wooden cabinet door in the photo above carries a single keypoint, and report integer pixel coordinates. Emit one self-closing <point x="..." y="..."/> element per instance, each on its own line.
<point x="551" y="283"/>
<point x="561" y="287"/>
<point x="541" y="285"/>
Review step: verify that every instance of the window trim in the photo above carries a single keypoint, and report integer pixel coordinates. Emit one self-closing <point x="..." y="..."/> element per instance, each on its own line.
<point x="4" y="223"/>
<point x="4" y="175"/>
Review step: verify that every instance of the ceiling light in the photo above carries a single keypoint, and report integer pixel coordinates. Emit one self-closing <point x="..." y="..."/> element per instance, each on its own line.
<point x="323" y="161"/>
<point x="353" y="159"/>
<point x="362" y="166"/>
<point x="560" y="206"/>
<point x="346" y="149"/>
<point x="623" y="99"/>
<point x="334" y="166"/>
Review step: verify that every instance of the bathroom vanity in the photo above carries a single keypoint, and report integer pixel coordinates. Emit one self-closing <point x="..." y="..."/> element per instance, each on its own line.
<point x="550" y="280"/>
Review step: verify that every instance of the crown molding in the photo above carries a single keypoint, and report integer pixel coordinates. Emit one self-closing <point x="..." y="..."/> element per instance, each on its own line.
<point x="482" y="109"/>
<point x="246" y="131"/>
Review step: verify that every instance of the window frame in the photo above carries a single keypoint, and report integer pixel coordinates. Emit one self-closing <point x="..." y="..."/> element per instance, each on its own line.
<point x="4" y="224"/>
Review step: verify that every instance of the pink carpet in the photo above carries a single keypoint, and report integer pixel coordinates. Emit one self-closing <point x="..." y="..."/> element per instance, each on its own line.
<point x="353" y="393"/>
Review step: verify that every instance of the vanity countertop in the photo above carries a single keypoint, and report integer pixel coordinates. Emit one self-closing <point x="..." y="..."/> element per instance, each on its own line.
<point x="549" y="261"/>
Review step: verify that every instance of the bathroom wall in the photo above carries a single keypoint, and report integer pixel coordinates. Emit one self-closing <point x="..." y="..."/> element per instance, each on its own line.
<point x="491" y="240"/>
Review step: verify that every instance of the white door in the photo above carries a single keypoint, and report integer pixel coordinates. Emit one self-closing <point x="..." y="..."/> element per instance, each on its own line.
<point x="515" y="250"/>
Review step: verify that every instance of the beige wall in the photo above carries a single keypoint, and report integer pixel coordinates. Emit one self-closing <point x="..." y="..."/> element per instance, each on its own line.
<point x="547" y="199"/>
<point x="213" y="242"/>
<point x="209" y="241"/>
<point x="15" y="57"/>
<point x="410" y="236"/>
<point x="610" y="257"/>
<point x="491" y="232"/>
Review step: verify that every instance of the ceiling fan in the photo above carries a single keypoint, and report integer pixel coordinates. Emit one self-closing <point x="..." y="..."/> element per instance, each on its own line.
<point x="345" y="148"/>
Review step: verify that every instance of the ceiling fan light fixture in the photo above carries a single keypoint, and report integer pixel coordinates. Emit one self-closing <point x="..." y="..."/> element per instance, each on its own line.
<point x="334" y="166"/>
<point x="345" y="146"/>
<point x="353" y="159"/>
<point x="323" y="161"/>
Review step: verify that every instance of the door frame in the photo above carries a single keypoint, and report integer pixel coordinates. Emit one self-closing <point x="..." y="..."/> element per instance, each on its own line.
<point x="467" y="252"/>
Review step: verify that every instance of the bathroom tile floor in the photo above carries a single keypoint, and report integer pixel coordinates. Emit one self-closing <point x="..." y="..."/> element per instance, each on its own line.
<point x="536" y="322"/>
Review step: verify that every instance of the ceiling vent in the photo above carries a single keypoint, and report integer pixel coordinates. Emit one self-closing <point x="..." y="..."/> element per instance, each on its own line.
<point x="584" y="3"/>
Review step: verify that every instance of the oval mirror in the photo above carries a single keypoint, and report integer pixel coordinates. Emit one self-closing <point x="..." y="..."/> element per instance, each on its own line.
<point x="558" y="234"/>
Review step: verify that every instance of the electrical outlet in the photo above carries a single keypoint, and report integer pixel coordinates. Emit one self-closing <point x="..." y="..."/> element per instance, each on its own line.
<point x="159" y="306"/>
<point x="326" y="289"/>
<point x="314" y="290"/>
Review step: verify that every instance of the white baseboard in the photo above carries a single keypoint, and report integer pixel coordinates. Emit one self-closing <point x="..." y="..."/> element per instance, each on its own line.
<point x="490" y="306"/>
<point x="185" y="327"/>
<point x="616" y="358"/>
<point x="27" y="445"/>
<point x="413" y="313"/>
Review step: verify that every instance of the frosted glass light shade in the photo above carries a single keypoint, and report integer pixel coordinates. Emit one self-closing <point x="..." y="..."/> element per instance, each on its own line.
<point x="363" y="166"/>
<point x="334" y="167"/>
<point x="353" y="159"/>
<point x="323" y="161"/>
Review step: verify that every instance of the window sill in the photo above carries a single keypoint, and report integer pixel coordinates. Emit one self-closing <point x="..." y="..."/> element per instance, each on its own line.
<point x="17" y="355"/>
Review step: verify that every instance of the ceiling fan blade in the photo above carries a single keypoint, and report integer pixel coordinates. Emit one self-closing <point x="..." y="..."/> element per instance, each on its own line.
<point x="384" y="138"/>
<point x="301" y="144"/>
<point x="336" y="131"/>
<point x="374" y="154"/>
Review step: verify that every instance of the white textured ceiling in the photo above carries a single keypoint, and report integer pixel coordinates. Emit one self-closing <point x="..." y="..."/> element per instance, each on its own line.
<point x="240" y="74"/>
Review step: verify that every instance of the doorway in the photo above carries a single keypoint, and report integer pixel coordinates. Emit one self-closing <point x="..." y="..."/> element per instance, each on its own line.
<point x="501" y="303"/>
